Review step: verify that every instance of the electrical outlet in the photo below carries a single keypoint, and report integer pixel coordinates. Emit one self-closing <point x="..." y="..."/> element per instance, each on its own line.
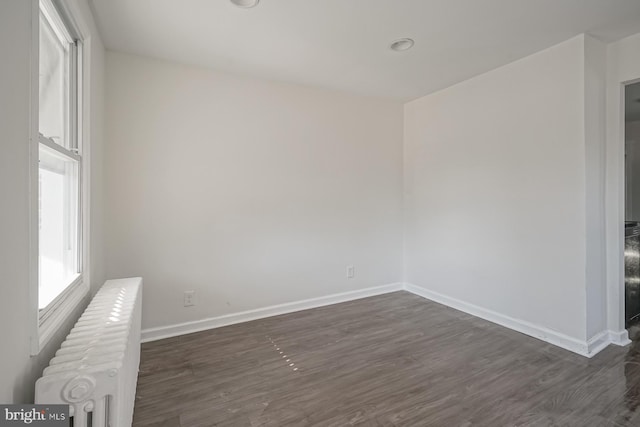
<point x="189" y="298"/>
<point x="350" y="272"/>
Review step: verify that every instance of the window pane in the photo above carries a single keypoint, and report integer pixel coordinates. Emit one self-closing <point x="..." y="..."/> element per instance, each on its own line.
<point x="54" y="84"/>
<point x="58" y="209"/>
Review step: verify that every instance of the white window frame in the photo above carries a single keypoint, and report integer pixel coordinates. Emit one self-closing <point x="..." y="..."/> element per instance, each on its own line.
<point x="48" y="321"/>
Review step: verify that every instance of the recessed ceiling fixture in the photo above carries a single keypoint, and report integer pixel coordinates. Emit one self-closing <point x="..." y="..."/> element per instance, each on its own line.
<point x="402" y="45"/>
<point x="245" y="4"/>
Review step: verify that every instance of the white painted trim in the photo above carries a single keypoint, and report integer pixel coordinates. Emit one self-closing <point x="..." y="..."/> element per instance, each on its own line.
<point x="57" y="148"/>
<point x="153" y="334"/>
<point x="584" y="348"/>
<point x="620" y="338"/>
<point x="621" y="71"/>
<point x="42" y="333"/>
<point x="597" y="343"/>
<point x="615" y="199"/>
<point x="34" y="141"/>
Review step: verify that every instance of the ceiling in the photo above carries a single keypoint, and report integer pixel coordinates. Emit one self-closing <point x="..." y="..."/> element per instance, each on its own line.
<point x="632" y="103"/>
<point x="344" y="44"/>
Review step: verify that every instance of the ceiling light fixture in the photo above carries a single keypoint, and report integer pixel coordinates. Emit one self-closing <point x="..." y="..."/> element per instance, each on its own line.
<point x="245" y="4"/>
<point x="402" y="45"/>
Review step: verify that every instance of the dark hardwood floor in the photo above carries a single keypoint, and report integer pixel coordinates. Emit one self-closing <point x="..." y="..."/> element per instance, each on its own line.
<point x="391" y="360"/>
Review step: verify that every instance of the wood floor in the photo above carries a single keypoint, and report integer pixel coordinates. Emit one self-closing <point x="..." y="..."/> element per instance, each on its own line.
<point x="391" y="360"/>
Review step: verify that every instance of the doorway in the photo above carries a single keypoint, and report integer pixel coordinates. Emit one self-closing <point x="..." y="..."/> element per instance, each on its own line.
<point x="632" y="204"/>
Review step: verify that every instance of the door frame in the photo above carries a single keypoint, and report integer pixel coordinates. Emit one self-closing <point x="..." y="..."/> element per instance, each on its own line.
<point x="615" y="195"/>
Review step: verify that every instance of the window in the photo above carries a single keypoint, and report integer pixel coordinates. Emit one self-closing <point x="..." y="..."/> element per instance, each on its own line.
<point x="60" y="164"/>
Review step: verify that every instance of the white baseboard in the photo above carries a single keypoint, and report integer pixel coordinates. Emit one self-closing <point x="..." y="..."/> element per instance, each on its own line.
<point x="620" y="338"/>
<point x="584" y="348"/>
<point x="597" y="343"/>
<point x="153" y="334"/>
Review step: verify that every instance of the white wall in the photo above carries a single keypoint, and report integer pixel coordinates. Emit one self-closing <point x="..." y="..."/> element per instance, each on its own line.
<point x="251" y="193"/>
<point x="18" y="371"/>
<point x="594" y="100"/>
<point x="495" y="190"/>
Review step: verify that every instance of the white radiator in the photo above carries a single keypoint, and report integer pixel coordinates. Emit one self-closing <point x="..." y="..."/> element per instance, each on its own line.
<point x="95" y="370"/>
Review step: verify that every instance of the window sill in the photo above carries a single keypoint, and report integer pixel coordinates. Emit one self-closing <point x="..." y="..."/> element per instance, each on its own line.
<point x="59" y="315"/>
